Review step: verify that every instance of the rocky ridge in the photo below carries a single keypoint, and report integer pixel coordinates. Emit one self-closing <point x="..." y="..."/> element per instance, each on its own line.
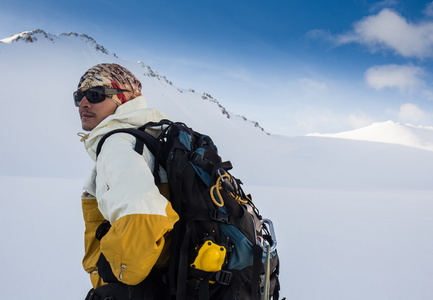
<point x="35" y="35"/>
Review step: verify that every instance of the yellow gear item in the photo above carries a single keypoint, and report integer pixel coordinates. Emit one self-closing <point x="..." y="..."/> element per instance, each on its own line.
<point x="210" y="257"/>
<point x="218" y="186"/>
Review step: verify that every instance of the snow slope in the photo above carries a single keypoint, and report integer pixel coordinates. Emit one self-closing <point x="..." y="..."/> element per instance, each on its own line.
<point x="353" y="217"/>
<point x="390" y="132"/>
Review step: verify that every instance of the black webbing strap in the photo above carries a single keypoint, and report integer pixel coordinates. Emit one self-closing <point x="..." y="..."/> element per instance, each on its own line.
<point x="198" y="160"/>
<point x="139" y="146"/>
<point x="172" y="262"/>
<point x="161" y="123"/>
<point x="183" y="265"/>
<point x="175" y="266"/>
<point x="217" y="215"/>
<point x="183" y="172"/>
<point x="257" y="268"/>
<point x="151" y="143"/>
<point x="222" y="277"/>
<point x="203" y="289"/>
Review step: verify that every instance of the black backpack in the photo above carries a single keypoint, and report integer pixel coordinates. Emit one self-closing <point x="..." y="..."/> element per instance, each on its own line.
<point x="221" y="248"/>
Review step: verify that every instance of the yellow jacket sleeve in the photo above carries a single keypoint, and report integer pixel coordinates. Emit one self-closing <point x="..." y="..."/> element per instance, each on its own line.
<point x="92" y="219"/>
<point x="134" y="244"/>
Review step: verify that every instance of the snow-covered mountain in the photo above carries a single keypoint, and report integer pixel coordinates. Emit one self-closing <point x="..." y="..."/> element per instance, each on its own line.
<point x="353" y="215"/>
<point x="38" y="35"/>
<point x="42" y="71"/>
<point x="420" y="137"/>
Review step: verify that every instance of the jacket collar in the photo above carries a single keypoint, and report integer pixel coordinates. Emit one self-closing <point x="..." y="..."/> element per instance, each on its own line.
<point x="131" y="114"/>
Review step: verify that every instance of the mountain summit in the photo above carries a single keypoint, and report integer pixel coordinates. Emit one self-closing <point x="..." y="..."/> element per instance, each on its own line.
<point x="34" y="35"/>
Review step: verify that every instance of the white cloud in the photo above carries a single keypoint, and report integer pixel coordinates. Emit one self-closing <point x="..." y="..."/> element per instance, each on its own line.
<point x="382" y="4"/>
<point x="402" y="77"/>
<point x="411" y="113"/>
<point x="429" y="9"/>
<point x="389" y="30"/>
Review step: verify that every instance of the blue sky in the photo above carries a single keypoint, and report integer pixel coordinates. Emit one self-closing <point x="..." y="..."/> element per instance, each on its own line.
<point x="294" y="66"/>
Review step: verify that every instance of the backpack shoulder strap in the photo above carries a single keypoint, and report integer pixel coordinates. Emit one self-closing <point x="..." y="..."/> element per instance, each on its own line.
<point x="143" y="138"/>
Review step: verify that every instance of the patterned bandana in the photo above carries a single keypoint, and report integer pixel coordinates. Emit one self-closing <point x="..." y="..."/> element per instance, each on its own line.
<point x="112" y="76"/>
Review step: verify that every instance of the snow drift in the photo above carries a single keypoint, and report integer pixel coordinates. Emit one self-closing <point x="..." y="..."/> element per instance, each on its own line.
<point x="420" y="137"/>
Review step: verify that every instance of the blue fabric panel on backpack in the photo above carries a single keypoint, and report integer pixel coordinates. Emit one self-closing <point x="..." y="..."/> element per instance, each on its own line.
<point x="185" y="139"/>
<point x="204" y="176"/>
<point x="242" y="255"/>
<point x="200" y="151"/>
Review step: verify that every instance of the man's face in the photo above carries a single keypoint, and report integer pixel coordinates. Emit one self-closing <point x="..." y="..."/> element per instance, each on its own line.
<point x="91" y="114"/>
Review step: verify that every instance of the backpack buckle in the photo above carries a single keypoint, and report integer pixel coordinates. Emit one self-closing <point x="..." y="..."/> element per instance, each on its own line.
<point x="198" y="160"/>
<point x="219" y="216"/>
<point x="223" y="277"/>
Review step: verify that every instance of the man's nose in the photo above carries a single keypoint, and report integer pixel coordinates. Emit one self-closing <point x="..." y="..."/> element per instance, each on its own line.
<point x="84" y="102"/>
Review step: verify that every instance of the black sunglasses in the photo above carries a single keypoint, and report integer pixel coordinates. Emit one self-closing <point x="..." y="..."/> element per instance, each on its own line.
<point x="96" y="94"/>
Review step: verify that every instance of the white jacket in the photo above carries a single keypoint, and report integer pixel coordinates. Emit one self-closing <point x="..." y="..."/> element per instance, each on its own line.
<point x="127" y="197"/>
